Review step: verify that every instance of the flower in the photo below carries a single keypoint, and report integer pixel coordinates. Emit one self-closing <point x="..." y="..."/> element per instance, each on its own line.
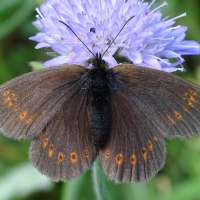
<point x="146" y="40"/>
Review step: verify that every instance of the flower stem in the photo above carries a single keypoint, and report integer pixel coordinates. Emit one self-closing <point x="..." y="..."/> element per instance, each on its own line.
<point x="99" y="181"/>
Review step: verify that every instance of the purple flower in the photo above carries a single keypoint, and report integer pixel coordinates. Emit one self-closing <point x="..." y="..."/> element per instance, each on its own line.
<point x="147" y="40"/>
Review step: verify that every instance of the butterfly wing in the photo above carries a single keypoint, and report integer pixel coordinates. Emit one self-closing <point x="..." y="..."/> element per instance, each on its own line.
<point x="64" y="149"/>
<point x="29" y="101"/>
<point x="147" y="105"/>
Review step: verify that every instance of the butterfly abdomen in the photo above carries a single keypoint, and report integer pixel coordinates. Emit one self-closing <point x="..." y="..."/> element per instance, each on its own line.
<point x="99" y="107"/>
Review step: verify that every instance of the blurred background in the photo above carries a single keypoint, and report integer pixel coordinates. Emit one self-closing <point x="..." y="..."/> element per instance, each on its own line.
<point x="179" y="179"/>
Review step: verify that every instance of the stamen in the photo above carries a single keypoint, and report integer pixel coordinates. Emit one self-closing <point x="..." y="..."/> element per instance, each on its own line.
<point x="151" y="4"/>
<point x="183" y="15"/>
<point x="164" y="4"/>
<point x="40" y="14"/>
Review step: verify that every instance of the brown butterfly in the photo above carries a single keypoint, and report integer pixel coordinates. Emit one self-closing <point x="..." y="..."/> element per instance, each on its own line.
<point x="74" y="114"/>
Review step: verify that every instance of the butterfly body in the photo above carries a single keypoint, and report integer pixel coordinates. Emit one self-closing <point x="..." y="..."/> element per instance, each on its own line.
<point x="73" y="114"/>
<point x="99" y="103"/>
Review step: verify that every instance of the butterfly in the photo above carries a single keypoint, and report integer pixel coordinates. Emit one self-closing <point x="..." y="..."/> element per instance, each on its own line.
<point x="73" y="114"/>
<point x="122" y="114"/>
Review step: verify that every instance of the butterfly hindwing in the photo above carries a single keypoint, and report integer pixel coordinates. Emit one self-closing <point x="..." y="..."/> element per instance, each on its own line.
<point x="64" y="149"/>
<point x="29" y="101"/>
<point x="134" y="150"/>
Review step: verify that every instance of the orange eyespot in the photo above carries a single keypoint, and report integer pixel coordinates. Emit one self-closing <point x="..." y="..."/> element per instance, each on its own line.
<point x="189" y="96"/>
<point x="133" y="159"/>
<point x="177" y="114"/>
<point x="41" y="135"/>
<point x="60" y="157"/>
<point x="150" y="145"/>
<point x="119" y="159"/>
<point x="107" y="154"/>
<point x="86" y="153"/>
<point x="155" y="138"/>
<point x="11" y="96"/>
<point x="73" y="157"/>
<point x="12" y="103"/>
<point x="144" y="153"/>
<point x="45" y="142"/>
<point x="16" y="109"/>
<point x="185" y="109"/>
<point x="193" y="92"/>
<point x="23" y="115"/>
<point x="51" y="148"/>
<point x="170" y="119"/>
<point x="6" y="93"/>
<point x="30" y="118"/>
<point x="188" y="102"/>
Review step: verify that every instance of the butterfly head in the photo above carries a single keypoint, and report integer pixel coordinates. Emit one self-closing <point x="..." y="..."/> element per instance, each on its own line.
<point x="98" y="62"/>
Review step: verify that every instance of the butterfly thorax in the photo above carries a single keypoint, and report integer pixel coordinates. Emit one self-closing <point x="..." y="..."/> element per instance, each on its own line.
<point x="99" y="103"/>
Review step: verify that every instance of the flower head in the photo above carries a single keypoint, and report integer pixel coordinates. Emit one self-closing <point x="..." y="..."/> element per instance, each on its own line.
<point x="147" y="39"/>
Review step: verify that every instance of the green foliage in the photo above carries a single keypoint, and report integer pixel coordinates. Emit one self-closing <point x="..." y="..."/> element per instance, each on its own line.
<point x="180" y="178"/>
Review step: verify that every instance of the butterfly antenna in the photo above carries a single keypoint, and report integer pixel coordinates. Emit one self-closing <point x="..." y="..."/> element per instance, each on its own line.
<point x="77" y="37"/>
<point x="118" y="34"/>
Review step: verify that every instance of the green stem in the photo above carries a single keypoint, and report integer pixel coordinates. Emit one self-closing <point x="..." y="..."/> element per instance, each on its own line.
<point x="71" y="189"/>
<point x="99" y="181"/>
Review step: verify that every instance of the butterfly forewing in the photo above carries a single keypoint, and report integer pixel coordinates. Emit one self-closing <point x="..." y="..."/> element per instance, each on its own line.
<point x="173" y="103"/>
<point x="64" y="149"/>
<point x="29" y="101"/>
